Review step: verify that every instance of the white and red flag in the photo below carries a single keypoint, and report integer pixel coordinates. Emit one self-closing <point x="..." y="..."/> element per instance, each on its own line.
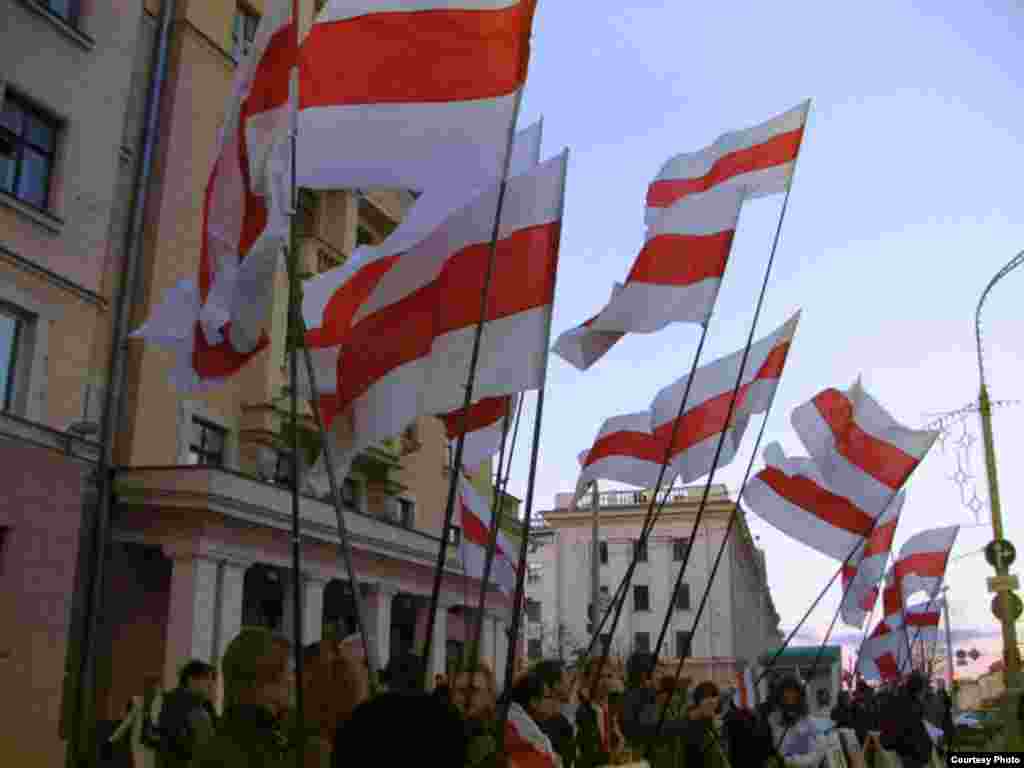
<point x="862" y="575"/>
<point x="923" y="620"/>
<point x="407" y="352"/>
<point x="746" y="694"/>
<point x="330" y="300"/>
<point x="707" y="408"/>
<point x="884" y="653"/>
<point x="482" y="426"/>
<point x="920" y="567"/>
<point x="216" y="324"/>
<point x="757" y="160"/>
<point x="409" y="94"/>
<point x="625" y="451"/>
<point x="864" y="454"/>
<point x="793" y="495"/>
<point x="675" y="278"/>
<point x="475" y="513"/>
<point x="526" y="745"/>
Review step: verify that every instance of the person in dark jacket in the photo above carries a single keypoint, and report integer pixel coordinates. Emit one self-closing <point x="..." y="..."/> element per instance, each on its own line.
<point x="551" y="675"/>
<point x="640" y="711"/>
<point x="188" y="718"/>
<point x="903" y="729"/>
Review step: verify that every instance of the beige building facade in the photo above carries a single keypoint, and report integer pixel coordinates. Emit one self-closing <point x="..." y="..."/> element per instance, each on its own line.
<point x="201" y="519"/>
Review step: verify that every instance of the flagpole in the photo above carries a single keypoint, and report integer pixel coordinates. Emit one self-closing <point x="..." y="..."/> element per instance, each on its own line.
<point x="517" y="600"/>
<point x="456" y="468"/>
<point x="711" y="577"/>
<point x="595" y="557"/>
<point x="296" y="318"/>
<point x="293" y="294"/>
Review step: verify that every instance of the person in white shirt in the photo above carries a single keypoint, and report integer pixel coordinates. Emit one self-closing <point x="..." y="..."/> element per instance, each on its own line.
<point x="794" y="734"/>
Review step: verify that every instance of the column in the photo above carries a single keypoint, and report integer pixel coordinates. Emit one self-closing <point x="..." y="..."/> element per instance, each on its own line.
<point x="439" y="649"/>
<point x="191" y="613"/>
<point x="378" y="609"/>
<point x="232" y="591"/>
<point x="500" y="650"/>
<point x="312" y="609"/>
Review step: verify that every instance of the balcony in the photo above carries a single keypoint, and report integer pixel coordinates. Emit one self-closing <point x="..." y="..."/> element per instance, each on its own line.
<point x="623" y="498"/>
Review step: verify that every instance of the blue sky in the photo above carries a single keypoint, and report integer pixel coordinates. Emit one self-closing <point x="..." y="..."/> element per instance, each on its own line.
<point x="906" y="201"/>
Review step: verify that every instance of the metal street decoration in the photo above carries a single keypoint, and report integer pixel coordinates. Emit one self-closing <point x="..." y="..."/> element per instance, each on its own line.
<point x="1000" y="547"/>
<point x="1016" y="606"/>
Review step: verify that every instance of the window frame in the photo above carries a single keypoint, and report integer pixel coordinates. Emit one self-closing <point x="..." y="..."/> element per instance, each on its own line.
<point x="206" y="425"/>
<point x="534" y="648"/>
<point x="682" y="601"/>
<point x="640" y="550"/>
<point x="19" y="142"/>
<point x="536" y="605"/>
<point x="646" y="592"/>
<point x="683" y="637"/>
<point x="407" y="513"/>
<point x="602" y="552"/>
<point x="9" y="394"/>
<point x="679" y="547"/>
<point x="347" y="483"/>
<point x="637" y="644"/>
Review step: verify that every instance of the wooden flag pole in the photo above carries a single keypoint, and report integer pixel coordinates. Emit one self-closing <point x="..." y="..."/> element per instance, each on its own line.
<point x="524" y="546"/>
<point x="456" y="468"/>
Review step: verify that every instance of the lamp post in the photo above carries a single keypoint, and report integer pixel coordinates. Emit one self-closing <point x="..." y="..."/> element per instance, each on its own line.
<point x="1000" y="553"/>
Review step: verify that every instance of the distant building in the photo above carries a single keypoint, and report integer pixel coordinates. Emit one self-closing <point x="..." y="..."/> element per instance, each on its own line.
<point x="739" y="622"/>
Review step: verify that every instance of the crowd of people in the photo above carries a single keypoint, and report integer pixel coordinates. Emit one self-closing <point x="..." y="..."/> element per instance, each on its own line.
<point x="558" y="716"/>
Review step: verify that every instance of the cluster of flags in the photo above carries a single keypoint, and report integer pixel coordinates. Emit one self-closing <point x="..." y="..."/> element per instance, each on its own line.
<point x="421" y="95"/>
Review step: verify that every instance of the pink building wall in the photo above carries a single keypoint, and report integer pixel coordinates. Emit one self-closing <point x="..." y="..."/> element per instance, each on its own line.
<point x="40" y="513"/>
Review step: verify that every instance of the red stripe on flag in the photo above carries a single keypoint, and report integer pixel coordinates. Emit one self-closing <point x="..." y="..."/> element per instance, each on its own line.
<point x="482" y="414"/>
<point x="887" y="666"/>
<point x="836" y="510"/>
<point x="474" y="530"/>
<point x="880" y="542"/>
<point x="269" y="89"/>
<point x="637" y="445"/>
<point x="892" y="599"/>
<point x="883" y="461"/>
<point x="346" y="301"/>
<point x="416" y="56"/>
<point x="220" y="361"/>
<point x="682" y="259"/>
<point x="709" y="418"/>
<point x="868" y="603"/>
<point x="776" y="151"/>
<point x="523" y="278"/>
<point x="923" y="620"/>
<point x="328" y="405"/>
<point x="924" y="564"/>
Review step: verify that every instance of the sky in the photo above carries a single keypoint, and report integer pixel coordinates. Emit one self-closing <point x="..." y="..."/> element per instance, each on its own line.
<point x="906" y="201"/>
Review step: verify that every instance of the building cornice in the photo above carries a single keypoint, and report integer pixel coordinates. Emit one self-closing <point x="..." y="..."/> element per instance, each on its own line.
<point x="42" y="436"/>
<point x="52" y="277"/>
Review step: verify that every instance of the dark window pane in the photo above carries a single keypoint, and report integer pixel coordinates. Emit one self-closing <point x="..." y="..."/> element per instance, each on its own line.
<point x="34" y="180"/>
<point x="533" y="649"/>
<point x="8" y="357"/>
<point x="641" y="598"/>
<point x="7" y="165"/>
<point x="679" y="549"/>
<point x="683" y="598"/>
<point x="63" y="8"/>
<point x="640" y="551"/>
<point x="12" y="117"/>
<point x="682" y="641"/>
<point x="642" y="642"/>
<point x="532" y="610"/>
<point x="603" y="551"/>
<point x="39" y="133"/>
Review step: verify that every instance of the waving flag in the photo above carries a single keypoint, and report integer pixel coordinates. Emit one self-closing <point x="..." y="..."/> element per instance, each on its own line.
<point x="757" y="160"/>
<point x="863" y="453"/>
<point x="483" y="427"/>
<point x="884" y="653"/>
<point x="707" y="408"/>
<point x="406" y="354"/>
<point x="476" y="524"/>
<point x="410" y="93"/>
<point x="624" y="451"/>
<point x="863" y="575"/>
<point x="920" y="567"/>
<point x="331" y="300"/>
<point x="216" y="325"/>
<point x="526" y="745"/>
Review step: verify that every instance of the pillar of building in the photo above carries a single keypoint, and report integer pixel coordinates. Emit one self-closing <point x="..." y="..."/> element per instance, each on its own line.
<point x="192" y="613"/>
<point x="378" y="609"/>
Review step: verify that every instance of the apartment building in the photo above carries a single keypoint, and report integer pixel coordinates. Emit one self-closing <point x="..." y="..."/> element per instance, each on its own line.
<point x="739" y="622"/>
<point x="201" y="520"/>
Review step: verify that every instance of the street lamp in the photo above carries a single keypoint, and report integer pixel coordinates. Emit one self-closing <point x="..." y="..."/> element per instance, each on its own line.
<point x="1000" y="553"/>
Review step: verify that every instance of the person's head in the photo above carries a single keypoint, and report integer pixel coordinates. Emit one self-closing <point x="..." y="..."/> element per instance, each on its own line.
<point x="541" y="685"/>
<point x="335" y="682"/>
<point x="640" y="670"/>
<point x="705" y="701"/>
<point x="396" y="727"/>
<point x="405" y="673"/>
<point x="916" y="685"/>
<point x="823" y="697"/>
<point x="607" y="682"/>
<point x="790" y="698"/>
<point x="474" y="692"/>
<point x="255" y="669"/>
<point x="666" y="690"/>
<point x="200" y="678"/>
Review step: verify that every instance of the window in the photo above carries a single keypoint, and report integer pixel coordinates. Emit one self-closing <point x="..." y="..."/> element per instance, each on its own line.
<point x="28" y="140"/>
<point x="602" y="547"/>
<point x="683" y="643"/>
<point x="533" y="649"/>
<point x="65" y="9"/>
<point x="454" y="536"/>
<point x="679" y="547"/>
<point x="640" y="550"/>
<point x="244" y="32"/>
<point x="350" y="494"/>
<point x="278" y="467"/>
<point x="642" y="642"/>
<point x="11" y="328"/>
<point x="606" y="641"/>
<point x="407" y="513"/>
<point x="533" y="610"/>
<point x="641" y="598"/>
<point x="207" y="446"/>
<point x="683" y="598"/>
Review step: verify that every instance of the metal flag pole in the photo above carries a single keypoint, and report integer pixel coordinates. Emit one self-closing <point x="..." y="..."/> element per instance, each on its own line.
<point x="733" y="515"/>
<point x="595" y="558"/>
<point x="524" y="545"/>
<point x="456" y="468"/>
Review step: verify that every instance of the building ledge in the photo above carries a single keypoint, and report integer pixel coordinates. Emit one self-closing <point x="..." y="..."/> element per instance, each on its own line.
<point x="242" y="498"/>
<point x="17" y="428"/>
<point x="46" y="220"/>
<point x="68" y="30"/>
